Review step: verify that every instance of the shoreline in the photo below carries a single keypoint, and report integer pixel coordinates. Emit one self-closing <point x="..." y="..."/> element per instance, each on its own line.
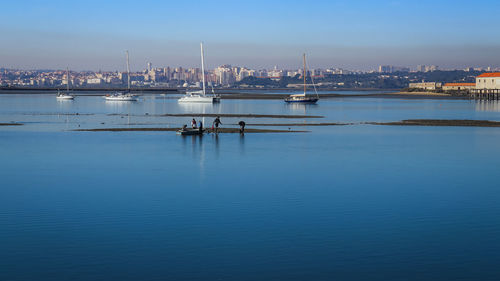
<point x="224" y="115"/>
<point x="221" y="130"/>
<point x="440" y="123"/>
<point x="245" y="94"/>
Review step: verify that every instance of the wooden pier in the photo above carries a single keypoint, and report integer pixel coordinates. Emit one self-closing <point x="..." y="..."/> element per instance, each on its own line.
<point x="485" y="94"/>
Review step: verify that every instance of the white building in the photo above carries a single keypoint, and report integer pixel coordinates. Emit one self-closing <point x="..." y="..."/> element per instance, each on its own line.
<point x="425" y="85"/>
<point x="458" y="86"/>
<point x="94" y="81"/>
<point x="488" y="81"/>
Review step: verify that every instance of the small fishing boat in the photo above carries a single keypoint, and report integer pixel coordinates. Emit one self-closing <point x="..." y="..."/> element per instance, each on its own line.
<point x="190" y="132"/>
<point x="65" y="96"/>
<point x="200" y="96"/>
<point x="123" y="96"/>
<point x="303" y="98"/>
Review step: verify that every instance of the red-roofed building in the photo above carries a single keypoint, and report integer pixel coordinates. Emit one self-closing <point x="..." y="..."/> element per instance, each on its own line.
<point x="488" y="81"/>
<point x="458" y="86"/>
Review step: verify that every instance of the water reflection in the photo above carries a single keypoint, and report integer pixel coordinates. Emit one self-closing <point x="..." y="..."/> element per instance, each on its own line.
<point x="198" y="107"/>
<point x="197" y="151"/>
<point x="483" y="105"/>
<point x="216" y="141"/>
<point x="242" y="143"/>
<point x="300" y="107"/>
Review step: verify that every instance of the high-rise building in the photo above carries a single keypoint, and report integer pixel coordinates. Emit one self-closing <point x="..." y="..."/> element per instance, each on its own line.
<point x="385" y="69"/>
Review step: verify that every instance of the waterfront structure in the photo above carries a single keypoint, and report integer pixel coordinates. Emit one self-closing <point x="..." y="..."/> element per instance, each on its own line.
<point x="487" y="87"/>
<point x="488" y="81"/>
<point x="426" y="85"/>
<point x="458" y="86"/>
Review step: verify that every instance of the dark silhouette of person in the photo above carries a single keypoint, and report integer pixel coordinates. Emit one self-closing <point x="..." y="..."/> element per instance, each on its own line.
<point x="242" y="126"/>
<point x="216" y="123"/>
<point x="200" y="126"/>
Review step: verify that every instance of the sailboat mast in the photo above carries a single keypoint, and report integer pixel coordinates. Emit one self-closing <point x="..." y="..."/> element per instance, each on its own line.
<point x="304" y="59"/>
<point x="128" y="72"/>
<point x="202" y="67"/>
<point x="67" y="78"/>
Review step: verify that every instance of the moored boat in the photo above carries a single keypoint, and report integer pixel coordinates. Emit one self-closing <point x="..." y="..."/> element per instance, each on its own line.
<point x="303" y="98"/>
<point x="65" y="96"/>
<point x="118" y="96"/>
<point x="200" y="96"/>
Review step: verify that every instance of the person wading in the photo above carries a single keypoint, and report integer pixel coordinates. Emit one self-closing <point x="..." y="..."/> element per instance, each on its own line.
<point x="242" y="127"/>
<point x="200" y="126"/>
<point x="216" y="124"/>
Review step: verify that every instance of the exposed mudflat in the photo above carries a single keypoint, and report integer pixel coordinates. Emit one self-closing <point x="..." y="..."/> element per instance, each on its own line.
<point x="221" y="130"/>
<point x="440" y="122"/>
<point x="299" y="124"/>
<point x="226" y="115"/>
<point x="11" y="124"/>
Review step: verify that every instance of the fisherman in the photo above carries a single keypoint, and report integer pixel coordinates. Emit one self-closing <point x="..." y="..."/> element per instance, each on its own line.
<point x="200" y="126"/>
<point x="216" y="124"/>
<point x="193" y="124"/>
<point x="242" y="126"/>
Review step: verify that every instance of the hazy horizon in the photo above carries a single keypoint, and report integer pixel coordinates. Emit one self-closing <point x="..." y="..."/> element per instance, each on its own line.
<point x="360" y="35"/>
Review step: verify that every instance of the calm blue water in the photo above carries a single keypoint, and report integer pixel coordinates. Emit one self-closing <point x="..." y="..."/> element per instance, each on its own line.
<point x="357" y="202"/>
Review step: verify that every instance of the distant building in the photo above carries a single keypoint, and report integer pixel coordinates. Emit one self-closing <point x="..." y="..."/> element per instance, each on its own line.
<point x="391" y="69"/>
<point x="427" y="68"/>
<point x="385" y="69"/>
<point x="94" y="81"/>
<point x="458" y="86"/>
<point x="431" y="68"/>
<point x="488" y="81"/>
<point x="425" y="85"/>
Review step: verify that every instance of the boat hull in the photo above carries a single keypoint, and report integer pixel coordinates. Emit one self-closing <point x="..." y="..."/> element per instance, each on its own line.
<point x="190" y="132"/>
<point x="65" y="97"/>
<point x="121" y="98"/>
<point x="302" y="100"/>
<point x="199" y="99"/>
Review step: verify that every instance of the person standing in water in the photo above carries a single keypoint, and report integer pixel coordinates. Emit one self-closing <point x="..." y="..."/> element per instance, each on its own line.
<point x="216" y="124"/>
<point x="200" y="126"/>
<point x="242" y="126"/>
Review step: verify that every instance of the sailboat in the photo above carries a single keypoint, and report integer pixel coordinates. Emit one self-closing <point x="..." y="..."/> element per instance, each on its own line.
<point x="200" y="96"/>
<point x="65" y="96"/>
<point x="303" y="98"/>
<point x="121" y="96"/>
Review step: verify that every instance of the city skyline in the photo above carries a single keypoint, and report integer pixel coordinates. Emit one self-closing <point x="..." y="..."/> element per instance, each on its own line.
<point x="347" y="34"/>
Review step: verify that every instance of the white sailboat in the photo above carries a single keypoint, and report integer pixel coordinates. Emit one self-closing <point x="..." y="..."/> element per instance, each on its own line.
<point x="65" y="96"/>
<point x="303" y="98"/>
<point x="118" y="96"/>
<point x="200" y="96"/>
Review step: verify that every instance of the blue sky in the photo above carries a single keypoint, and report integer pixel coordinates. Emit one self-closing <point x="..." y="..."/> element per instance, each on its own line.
<point x="355" y="34"/>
